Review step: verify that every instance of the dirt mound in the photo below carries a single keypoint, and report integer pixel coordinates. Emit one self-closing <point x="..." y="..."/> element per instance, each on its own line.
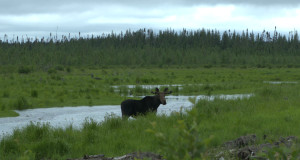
<point x="130" y="156"/>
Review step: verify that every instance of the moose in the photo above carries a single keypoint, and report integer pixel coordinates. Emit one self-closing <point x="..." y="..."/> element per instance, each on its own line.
<point x="132" y="107"/>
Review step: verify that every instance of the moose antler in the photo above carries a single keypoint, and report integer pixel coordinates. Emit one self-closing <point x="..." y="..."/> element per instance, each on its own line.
<point x="166" y="91"/>
<point x="156" y="91"/>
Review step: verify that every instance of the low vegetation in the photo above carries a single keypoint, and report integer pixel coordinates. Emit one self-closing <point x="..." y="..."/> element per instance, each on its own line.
<point x="39" y="89"/>
<point x="273" y="111"/>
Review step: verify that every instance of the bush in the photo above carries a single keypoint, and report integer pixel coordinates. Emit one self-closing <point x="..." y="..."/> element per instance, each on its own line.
<point x="5" y="94"/>
<point x="34" y="93"/>
<point x="69" y="70"/>
<point x="21" y="103"/>
<point x="9" y="148"/>
<point x="24" y="70"/>
<point x="3" y="107"/>
<point x="183" y="142"/>
<point x="48" y="148"/>
<point x="59" y="68"/>
<point x="52" y="71"/>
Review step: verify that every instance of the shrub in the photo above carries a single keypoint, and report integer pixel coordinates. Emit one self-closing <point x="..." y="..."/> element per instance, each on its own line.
<point x="24" y="70"/>
<point x="183" y="142"/>
<point x="3" y="107"/>
<point x="59" y="68"/>
<point x="9" y="147"/>
<point x="69" y="69"/>
<point x="5" y="94"/>
<point x="52" y="71"/>
<point x="21" y="103"/>
<point x="34" y="93"/>
<point x="48" y="148"/>
<point x="281" y="152"/>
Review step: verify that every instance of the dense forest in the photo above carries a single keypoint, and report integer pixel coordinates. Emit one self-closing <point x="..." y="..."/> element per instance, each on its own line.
<point x="145" y="47"/>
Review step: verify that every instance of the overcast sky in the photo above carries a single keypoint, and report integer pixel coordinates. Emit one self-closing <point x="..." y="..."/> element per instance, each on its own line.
<point x="40" y="17"/>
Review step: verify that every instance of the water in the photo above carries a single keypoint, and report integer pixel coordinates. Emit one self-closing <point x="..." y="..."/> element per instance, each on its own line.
<point x="75" y="116"/>
<point x="150" y="86"/>
<point x="281" y="82"/>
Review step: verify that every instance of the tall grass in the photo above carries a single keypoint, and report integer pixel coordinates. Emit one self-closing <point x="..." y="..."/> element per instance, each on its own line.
<point x="39" y="89"/>
<point x="273" y="111"/>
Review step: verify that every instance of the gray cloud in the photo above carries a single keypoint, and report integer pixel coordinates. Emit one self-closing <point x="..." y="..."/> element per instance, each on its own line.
<point x="59" y="6"/>
<point x="38" y="17"/>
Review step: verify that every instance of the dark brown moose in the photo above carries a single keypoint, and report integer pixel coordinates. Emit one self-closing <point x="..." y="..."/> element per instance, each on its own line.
<point x="132" y="107"/>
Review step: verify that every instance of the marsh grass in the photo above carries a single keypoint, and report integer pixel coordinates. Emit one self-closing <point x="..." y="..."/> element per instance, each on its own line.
<point x="39" y="89"/>
<point x="273" y="111"/>
<point x="8" y="113"/>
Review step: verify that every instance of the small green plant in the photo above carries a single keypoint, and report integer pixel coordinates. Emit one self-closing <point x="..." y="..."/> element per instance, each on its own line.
<point x="34" y="93"/>
<point x="52" y="71"/>
<point x="282" y="152"/>
<point x="183" y="142"/>
<point x="69" y="70"/>
<point x="59" y="68"/>
<point x="5" y="94"/>
<point x="21" y="103"/>
<point x="27" y="155"/>
<point x="47" y="148"/>
<point x="90" y="128"/>
<point x="9" y="148"/>
<point x="24" y="70"/>
<point x="55" y="77"/>
<point x="3" y="107"/>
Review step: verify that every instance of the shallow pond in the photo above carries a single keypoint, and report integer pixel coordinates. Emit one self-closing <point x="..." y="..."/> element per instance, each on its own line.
<point x="65" y="116"/>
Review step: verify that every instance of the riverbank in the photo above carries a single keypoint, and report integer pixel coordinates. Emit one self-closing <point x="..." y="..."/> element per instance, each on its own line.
<point x="62" y="117"/>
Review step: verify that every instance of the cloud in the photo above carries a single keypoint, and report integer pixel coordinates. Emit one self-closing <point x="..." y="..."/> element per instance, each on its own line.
<point x="59" y="6"/>
<point x="98" y="16"/>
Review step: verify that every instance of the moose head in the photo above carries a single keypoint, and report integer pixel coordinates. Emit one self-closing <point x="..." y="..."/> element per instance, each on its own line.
<point x="162" y="95"/>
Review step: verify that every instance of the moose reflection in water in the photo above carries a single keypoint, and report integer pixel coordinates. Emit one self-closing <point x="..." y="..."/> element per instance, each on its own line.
<point x="132" y="107"/>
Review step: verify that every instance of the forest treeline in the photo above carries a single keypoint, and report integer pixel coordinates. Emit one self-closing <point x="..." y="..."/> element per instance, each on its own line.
<point x="144" y="47"/>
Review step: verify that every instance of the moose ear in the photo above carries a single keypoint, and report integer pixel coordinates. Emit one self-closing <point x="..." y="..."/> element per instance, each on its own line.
<point x="166" y="89"/>
<point x="156" y="90"/>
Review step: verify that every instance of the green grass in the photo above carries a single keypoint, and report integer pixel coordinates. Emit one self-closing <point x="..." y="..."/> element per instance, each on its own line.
<point x="8" y="114"/>
<point x="59" y="87"/>
<point x="273" y="111"/>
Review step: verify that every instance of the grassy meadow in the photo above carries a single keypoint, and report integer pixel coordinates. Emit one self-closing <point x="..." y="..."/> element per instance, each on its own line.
<point x="61" y="86"/>
<point x="273" y="111"/>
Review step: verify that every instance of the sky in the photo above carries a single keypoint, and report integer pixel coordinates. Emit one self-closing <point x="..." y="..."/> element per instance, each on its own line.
<point x="38" y="18"/>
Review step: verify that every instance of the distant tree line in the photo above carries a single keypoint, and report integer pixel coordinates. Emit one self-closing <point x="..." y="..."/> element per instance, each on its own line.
<point x="144" y="47"/>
